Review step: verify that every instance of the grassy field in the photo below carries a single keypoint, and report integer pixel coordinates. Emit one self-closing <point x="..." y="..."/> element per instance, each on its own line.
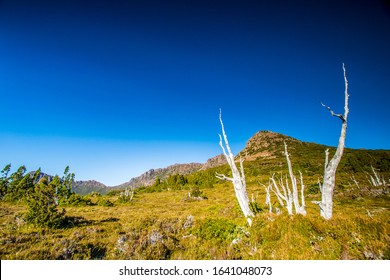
<point x="166" y="225"/>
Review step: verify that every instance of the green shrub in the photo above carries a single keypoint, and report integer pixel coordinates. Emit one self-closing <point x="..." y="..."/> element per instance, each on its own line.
<point x="77" y="200"/>
<point x="42" y="206"/>
<point x="255" y="207"/>
<point x="219" y="229"/>
<point x="113" y="192"/>
<point x="313" y="189"/>
<point x="196" y="192"/>
<point x="104" y="202"/>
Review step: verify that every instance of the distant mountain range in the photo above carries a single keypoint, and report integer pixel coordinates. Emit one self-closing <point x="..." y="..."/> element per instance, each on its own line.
<point x="149" y="177"/>
<point x="264" y="149"/>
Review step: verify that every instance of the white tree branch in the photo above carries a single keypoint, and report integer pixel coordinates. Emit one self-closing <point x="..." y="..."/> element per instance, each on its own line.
<point x="238" y="178"/>
<point x="223" y="177"/>
<point x="330" y="168"/>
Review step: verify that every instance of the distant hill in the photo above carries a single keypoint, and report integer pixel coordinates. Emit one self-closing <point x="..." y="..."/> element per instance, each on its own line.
<point x="264" y="154"/>
<point x="80" y="187"/>
<point x="267" y="145"/>
<point x="149" y="177"/>
<point x="86" y="187"/>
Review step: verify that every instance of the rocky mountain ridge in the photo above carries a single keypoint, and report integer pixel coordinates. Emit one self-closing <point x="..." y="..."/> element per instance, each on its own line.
<point x="264" y="148"/>
<point x="148" y="178"/>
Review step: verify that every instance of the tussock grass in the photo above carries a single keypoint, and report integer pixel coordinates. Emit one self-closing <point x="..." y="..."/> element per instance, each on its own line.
<point x="163" y="225"/>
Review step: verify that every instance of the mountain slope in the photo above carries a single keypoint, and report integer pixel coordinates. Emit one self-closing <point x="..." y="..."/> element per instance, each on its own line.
<point x="86" y="187"/>
<point x="149" y="177"/>
<point x="264" y="155"/>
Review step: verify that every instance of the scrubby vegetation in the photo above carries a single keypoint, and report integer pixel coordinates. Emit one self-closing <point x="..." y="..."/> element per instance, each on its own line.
<point x="163" y="226"/>
<point x="196" y="216"/>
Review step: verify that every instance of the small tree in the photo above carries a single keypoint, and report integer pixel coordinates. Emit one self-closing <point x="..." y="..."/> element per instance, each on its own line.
<point x="19" y="185"/>
<point x="42" y="206"/>
<point x="238" y="179"/>
<point x="65" y="187"/>
<point x="329" y="181"/>
<point x="4" y="180"/>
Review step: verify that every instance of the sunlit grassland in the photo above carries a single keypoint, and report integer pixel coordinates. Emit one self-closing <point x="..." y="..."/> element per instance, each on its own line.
<point x="166" y="225"/>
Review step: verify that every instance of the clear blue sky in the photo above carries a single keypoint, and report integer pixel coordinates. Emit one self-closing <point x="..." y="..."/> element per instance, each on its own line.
<point x="114" y="88"/>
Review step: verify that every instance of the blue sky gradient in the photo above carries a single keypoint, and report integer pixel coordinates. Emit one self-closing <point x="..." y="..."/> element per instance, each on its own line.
<point x="114" y="88"/>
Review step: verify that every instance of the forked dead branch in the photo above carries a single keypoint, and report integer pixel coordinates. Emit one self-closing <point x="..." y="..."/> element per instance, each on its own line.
<point x="238" y="178"/>
<point x="289" y="197"/>
<point x="329" y="180"/>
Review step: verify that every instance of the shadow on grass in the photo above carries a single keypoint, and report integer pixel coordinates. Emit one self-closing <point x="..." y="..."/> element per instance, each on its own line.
<point x="97" y="252"/>
<point x="73" y="221"/>
<point x="109" y="220"/>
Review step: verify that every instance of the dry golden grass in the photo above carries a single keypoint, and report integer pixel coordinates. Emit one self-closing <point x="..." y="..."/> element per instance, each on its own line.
<point x="157" y="226"/>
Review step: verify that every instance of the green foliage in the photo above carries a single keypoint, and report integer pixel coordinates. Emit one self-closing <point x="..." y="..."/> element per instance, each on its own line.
<point x="255" y="207"/>
<point x="104" y="202"/>
<point x="313" y="189"/>
<point x="15" y="185"/>
<point x="151" y="189"/>
<point x="196" y="192"/>
<point x="4" y="180"/>
<point x="157" y="182"/>
<point x="156" y="224"/>
<point x="176" y="181"/>
<point x="64" y="193"/>
<point x="218" y="229"/>
<point x="92" y="195"/>
<point x="42" y="206"/>
<point x="113" y="192"/>
<point x="64" y="186"/>
<point x="204" y="179"/>
<point x="77" y="200"/>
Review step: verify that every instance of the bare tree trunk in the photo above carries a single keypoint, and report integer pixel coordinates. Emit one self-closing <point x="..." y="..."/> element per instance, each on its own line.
<point x="128" y="193"/>
<point x="328" y="185"/>
<point x="290" y="197"/>
<point x="268" y="197"/>
<point x="355" y="181"/>
<point x="374" y="179"/>
<point x="238" y="179"/>
<point x="286" y="196"/>
<point x="299" y="209"/>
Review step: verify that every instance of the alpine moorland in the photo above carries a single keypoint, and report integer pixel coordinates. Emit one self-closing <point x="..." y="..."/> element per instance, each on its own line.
<point x="185" y="212"/>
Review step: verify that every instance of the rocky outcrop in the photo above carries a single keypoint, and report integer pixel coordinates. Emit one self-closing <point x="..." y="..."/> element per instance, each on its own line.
<point x="266" y="145"/>
<point x="149" y="177"/>
<point x="214" y="162"/>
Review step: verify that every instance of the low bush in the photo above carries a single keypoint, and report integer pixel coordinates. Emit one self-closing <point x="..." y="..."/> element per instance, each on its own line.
<point x="42" y="206"/>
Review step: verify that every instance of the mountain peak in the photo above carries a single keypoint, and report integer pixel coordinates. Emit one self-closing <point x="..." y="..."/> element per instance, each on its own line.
<point x="266" y="144"/>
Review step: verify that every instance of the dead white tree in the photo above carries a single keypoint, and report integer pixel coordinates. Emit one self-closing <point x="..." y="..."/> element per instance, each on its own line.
<point x="355" y="181"/>
<point x="127" y="194"/>
<point x="374" y="179"/>
<point x="286" y="197"/>
<point x="290" y="197"/>
<point x="238" y="179"/>
<point x="329" y="180"/>
<point x="268" y="196"/>
<point x="299" y="208"/>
